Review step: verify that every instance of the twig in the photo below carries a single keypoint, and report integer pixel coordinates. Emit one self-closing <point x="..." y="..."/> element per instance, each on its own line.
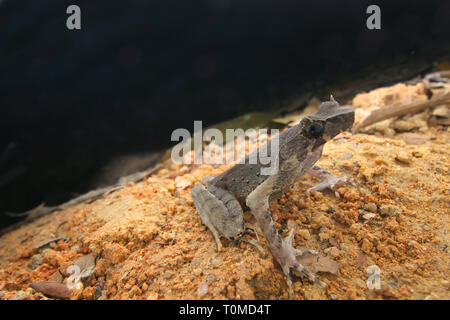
<point x="399" y="110"/>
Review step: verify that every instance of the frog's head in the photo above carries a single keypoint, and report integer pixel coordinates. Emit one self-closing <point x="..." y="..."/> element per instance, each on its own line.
<point x="327" y="122"/>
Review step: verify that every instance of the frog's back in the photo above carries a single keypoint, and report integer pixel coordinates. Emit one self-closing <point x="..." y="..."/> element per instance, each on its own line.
<point x="242" y="179"/>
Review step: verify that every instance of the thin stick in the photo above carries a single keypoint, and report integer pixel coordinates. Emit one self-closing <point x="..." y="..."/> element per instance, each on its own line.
<point x="399" y="110"/>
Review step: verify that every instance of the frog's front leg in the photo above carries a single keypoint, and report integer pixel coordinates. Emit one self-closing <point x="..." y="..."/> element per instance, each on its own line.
<point x="327" y="180"/>
<point x="220" y="211"/>
<point x="282" y="250"/>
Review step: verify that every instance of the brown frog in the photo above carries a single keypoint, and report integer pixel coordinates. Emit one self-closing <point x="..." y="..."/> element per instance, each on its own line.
<point x="221" y="200"/>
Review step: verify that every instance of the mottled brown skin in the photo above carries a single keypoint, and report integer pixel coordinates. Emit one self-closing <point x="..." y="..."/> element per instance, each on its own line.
<point x="220" y="203"/>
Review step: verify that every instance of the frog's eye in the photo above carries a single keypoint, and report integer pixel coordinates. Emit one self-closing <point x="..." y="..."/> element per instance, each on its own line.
<point x="315" y="129"/>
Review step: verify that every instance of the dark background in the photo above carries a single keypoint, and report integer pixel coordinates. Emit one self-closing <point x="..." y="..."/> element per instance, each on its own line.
<point x="73" y="100"/>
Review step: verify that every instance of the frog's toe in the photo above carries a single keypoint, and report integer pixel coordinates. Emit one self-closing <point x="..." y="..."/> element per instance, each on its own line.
<point x="310" y="275"/>
<point x="298" y="253"/>
<point x="286" y="256"/>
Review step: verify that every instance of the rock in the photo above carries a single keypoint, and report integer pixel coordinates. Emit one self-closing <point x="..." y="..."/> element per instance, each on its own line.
<point x="403" y="156"/>
<point x="407" y="125"/>
<point x="216" y="261"/>
<point x="314" y="294"/>
<point x="324" y="236"/>
<point x="369" y="216"/>
<point x="202" y="289"/>
<point x="197" y="272"/>
<point x="414" y="138"/>
<point x="354" y="228"/>
<point x="332" y="251"/>
<point x="371" y="207"/>
<point x="36" y="261"/>
<point x="20" y="295"/>
<point x="390" y="210"/>
<point x="304" y="233"/>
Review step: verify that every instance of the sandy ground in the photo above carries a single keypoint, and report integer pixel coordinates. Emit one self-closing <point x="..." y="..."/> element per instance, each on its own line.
<point x="149" y="242"/>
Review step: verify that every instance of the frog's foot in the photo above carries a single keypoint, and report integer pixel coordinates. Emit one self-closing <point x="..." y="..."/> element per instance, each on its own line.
<point x="203" y="200"/>
<point x="256" y="245"/>
<point x="253" y="242"/>
<point x="327" y="180"/>
<point x="252" y="228"/>
<point x="286" y="256"/>
<point x="299" y="253"/>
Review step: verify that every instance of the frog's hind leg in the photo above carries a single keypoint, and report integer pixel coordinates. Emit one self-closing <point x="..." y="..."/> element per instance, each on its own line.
<point x="205" y="202"/>
<point x="284" y="253"/>
<point x="299" y="253"/>
<point x="220" y="212"/>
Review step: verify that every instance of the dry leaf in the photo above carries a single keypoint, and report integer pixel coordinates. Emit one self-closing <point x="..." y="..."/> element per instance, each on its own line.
<point x="56" y="277"/>
<point x="87" y="265"/>
<point x="362" y="260"/>
<point x="47" y="241"/>
<point x="414" y="138"/>
<point x="52" y="289"/>
<point x="319" y="263"/>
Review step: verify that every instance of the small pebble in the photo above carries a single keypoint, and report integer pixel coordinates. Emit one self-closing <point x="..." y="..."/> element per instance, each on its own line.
<point x="369" y="216"/>
<point x="347" y="155"/>
<point x="202" y="289"/>
<point x="404" y="157"/>
<point x="390" y="210"/>
<point x="371" y="207"/>
<point x="197" y="271"/>
<point x="19" y="295"/>
<point x="36" y="261"/>
<point x="216" y="261"/>
<point x="332" y="251"/>
<point x="304" y="233"/>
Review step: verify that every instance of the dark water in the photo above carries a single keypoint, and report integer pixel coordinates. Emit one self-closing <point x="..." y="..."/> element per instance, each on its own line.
<point x="73" y="100"/>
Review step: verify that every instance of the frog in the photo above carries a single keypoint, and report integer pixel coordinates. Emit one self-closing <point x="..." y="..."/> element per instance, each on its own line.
<point x="220" y="200"/>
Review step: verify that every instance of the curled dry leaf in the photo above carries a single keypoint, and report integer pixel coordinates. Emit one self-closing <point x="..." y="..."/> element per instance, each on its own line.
<point x="47" y="241"/>
<point x="56" y="277"/>
<point x="52" y="289"/>
<point x="318" y="263"/>
<point x="86" y="265"/>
